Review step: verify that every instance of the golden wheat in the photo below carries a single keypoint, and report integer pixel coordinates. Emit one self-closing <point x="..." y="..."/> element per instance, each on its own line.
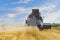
<point x="29" y="33"/>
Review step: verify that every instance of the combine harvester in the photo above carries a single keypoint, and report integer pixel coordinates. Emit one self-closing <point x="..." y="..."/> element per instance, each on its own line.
<point x="35" y="19"/>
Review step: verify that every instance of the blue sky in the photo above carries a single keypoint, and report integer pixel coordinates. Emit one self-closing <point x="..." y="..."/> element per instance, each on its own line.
<point x="16" y="11"/>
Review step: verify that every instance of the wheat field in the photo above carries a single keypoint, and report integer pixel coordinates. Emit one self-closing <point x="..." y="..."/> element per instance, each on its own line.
<point x="23" y="32"/>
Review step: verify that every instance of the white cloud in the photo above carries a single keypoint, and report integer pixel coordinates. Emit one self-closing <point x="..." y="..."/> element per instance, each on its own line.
<point x="52" y="17"/>
<point x="11" y="15"/>
<point x="25" y="1"/>
<point x="22" y="1"/>
<point x="48" y="7"/>
<point x="20" y="10"/>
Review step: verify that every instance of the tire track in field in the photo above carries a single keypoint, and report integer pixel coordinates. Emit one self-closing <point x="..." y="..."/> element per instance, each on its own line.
<point x="46" y="36"/>
<point x="52" y="35"/>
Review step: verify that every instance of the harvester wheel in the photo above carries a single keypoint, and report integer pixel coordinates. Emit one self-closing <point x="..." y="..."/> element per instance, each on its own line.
<point x="39" y="27"/>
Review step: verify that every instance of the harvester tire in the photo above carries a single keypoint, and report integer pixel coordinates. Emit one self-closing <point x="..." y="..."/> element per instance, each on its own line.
<point x="39" y="27"/>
